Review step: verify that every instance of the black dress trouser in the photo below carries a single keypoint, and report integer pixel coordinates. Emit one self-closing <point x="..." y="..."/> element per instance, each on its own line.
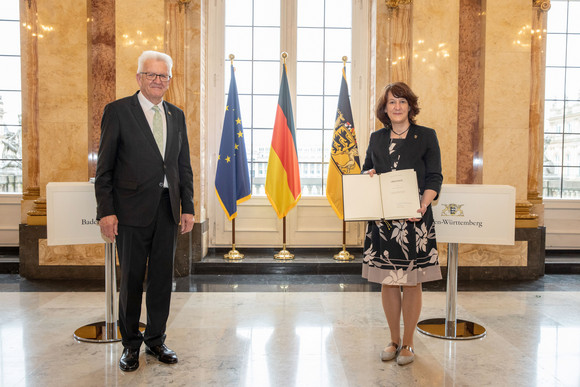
<point x="148" y="250"/>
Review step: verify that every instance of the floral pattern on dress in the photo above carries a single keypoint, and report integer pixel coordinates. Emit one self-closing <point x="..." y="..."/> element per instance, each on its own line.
<point x="389" y="256"/>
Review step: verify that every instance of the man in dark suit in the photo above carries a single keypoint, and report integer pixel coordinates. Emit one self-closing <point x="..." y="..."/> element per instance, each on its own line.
<point x="143" y="182"/>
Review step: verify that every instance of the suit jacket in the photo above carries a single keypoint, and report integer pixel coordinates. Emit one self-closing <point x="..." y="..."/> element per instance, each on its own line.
<point x="420" y="151"/>
<point x="130" y="168"/>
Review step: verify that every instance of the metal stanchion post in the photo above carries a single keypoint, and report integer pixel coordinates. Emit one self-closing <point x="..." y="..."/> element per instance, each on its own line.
<point x="450" y="327"/>
<point x="111" y="293"/>
<point x="106" y="331"/>
<point x="451" y="294"/>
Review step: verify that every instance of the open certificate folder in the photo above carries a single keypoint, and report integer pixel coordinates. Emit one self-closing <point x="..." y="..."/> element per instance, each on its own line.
<point x="391" y="195"/>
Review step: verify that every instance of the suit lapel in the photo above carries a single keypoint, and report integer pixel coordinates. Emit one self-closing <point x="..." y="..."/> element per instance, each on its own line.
<point x="385" y="142"/>
<point x="143" y="124"/>
<point x="170" y="128"/>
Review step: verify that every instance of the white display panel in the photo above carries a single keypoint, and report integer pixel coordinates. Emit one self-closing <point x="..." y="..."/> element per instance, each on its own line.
<point x="71" y="210"/>
<point x="475" y="213"/>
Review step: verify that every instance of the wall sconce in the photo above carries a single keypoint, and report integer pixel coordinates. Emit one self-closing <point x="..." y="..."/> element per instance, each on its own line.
<point x="394" y="4"/>
<point x="183" y="3"/>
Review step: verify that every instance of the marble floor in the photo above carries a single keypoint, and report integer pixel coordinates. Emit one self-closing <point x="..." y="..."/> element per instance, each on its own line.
<point x="270" y="330"/>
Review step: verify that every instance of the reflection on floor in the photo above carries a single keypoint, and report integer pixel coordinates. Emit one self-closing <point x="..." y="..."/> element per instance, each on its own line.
<point x="289" y="330"/>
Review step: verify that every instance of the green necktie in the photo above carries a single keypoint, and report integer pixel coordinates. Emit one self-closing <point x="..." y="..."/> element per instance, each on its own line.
<point x="158" y="128"/>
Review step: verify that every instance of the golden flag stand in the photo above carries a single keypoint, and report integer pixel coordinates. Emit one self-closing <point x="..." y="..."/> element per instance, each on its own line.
<point x="234" y="255"/>
<point x="284" y="254"/>
<point x="344" y="255"/>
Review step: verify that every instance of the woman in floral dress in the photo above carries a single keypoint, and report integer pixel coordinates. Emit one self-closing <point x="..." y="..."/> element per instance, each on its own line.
<point x="403" y="253"/>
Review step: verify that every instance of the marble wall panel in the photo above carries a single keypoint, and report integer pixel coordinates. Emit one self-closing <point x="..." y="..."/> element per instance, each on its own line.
<point x="511" y="24"/>
<point x="488" y="255"/>
<point x="71" y="255"/>
<point x="434" y="74"/>
<point x="135" y="35"/>
<point x="62" y="91"/>
<point x="506" y="158"/>
<point x="507" y="90"/>
<point x="507" y="94"/>
<point x="63" y="151"/>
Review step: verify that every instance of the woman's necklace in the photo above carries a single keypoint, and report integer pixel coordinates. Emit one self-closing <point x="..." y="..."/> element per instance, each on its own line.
<point x="403" y="132"/>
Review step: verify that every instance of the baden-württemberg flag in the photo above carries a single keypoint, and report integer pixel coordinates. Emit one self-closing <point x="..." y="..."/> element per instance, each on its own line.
<point x="283" y="177"/>
<point x="344" y="157"/>
<point x="232" y="180"/>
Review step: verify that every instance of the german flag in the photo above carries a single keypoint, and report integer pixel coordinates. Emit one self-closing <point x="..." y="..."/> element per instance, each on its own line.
<point x="283" y="176"/>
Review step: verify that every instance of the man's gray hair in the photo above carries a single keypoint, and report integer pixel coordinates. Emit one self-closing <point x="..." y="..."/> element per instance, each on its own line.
<point x="156" y="56"/>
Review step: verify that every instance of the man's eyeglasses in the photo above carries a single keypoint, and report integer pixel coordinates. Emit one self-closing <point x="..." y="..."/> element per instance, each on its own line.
<point x="152" y="76"/>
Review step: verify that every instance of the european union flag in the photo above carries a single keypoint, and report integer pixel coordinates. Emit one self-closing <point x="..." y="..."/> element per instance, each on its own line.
<point x="232" y="180"/>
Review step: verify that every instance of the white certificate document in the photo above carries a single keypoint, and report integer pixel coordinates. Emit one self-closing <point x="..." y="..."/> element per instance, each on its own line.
<point x="391" y="195"/>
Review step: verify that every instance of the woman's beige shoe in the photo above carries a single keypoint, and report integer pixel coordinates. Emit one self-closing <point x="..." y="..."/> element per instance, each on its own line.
<point x="402" y="360"/>
<point x="390" y="355"/>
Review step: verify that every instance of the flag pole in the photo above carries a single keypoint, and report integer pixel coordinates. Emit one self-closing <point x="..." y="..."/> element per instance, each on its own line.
<point x="344" y="255"/>
<point x="233" y="254"/>
<point x="284" y="254"/>
<point x="283" y="160"/>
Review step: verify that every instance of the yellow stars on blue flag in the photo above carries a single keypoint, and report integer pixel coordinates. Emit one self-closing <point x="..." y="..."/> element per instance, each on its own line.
<point x="232" y="181"/>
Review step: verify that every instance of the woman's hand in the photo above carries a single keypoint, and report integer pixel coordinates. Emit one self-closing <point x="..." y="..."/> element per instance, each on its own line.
<point x="371" y="172"/>
<point x="428" y="196"/>
<point x="421" y="211"/>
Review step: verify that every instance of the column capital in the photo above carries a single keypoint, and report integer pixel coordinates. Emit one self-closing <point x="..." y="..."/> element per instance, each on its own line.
<point x="544" y="5"/>
<point x="394" y="4"/>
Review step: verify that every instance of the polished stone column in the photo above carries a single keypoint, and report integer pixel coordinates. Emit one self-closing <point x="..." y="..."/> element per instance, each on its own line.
<point x="183" y="42"/>
<point x="470" y="92"/>
<point x="536" y="137"/>
<point x="394" y="44"/>
<point x="399" y="49"/>
<point x="101" y="70"/>
<point x="30" y="136"/>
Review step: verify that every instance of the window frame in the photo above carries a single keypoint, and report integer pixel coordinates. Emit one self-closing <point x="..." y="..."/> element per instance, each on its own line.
<point x="257" y="224"/>
<point x="17" y="186"/>
<point x="561" y="135"/>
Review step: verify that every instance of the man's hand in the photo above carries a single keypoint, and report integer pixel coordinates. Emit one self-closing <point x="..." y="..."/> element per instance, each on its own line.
<point x="187" y="221"/>
<point x="108" y="226"/>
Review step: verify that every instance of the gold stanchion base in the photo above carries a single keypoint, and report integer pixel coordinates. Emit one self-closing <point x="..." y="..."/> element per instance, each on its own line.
<point x="464" y="330"/>
<point x="101" y="332"/>
<point x="233" y="255"/>
<point x="344" y="256"/>
<point x="284" y="255"/>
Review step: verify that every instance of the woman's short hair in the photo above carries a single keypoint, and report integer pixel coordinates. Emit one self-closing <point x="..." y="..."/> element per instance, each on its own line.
<point x="399" y="90"/>
<point x="146" y="55"/>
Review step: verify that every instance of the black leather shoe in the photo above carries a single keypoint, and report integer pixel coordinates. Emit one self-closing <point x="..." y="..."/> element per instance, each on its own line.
<point x="129" y="359"/>
<point x="162" y="353"/>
